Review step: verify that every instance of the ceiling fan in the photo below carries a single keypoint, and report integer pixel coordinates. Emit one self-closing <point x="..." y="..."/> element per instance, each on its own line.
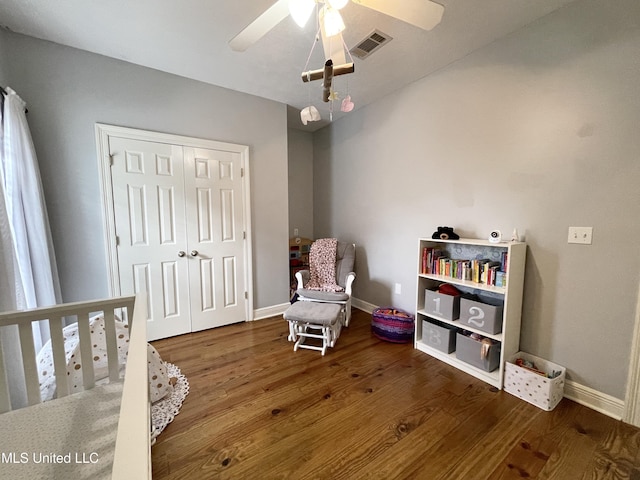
<point x="423" y="14"/>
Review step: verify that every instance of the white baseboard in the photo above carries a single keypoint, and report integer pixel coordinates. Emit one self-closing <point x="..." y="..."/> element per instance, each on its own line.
<point x="598" y="401"/>
<point x="268" y="312"/>
<point x="362" y="305"/>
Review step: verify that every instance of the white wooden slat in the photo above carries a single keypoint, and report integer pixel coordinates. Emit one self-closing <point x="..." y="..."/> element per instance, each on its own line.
<point x="29" y="363"/>
<point x="112" y="345"/>
<point x="5" y="398"/>
<point x="132" y="456"/>
<point x="86" y="352"/>
<point x="59" y="357"/>
<point x="67" y="309"/>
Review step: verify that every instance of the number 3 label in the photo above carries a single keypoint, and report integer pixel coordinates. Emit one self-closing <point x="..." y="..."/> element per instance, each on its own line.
<point x="434" y="337"/>
<point x="476" y="318"/>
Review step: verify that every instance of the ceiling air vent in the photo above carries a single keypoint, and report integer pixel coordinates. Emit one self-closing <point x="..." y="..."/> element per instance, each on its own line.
<point x="374" y="41"/>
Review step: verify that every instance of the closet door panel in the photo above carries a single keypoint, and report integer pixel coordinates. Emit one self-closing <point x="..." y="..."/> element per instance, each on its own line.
<point x="149" y="209"/>
<point x="213" y="192"/>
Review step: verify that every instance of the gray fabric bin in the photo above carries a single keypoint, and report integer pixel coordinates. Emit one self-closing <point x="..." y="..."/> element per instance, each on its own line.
<point x="470" y="351"/>
<point x="440" y="305"/>
<point x="441" y="337"/>
<point x="481" y="316"/>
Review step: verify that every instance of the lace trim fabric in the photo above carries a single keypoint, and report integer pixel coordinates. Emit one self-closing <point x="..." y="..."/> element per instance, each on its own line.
<point x="164" y="411"/>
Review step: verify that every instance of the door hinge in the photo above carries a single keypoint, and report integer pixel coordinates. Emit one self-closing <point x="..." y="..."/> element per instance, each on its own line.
<point x="117" y="240"/>
<point x="244" y="235"/>
<point x="246" y="295"/>
<point x="110" y="159"/>
<point x="242" y="172"/>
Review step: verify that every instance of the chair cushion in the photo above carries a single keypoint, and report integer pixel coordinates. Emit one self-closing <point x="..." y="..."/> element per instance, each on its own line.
<point x="345" y="259"/>
<point x="312" y="312"/>
<point x="324" y="296"/>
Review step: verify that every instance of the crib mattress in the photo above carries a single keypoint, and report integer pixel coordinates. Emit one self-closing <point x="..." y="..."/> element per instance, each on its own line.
<point x="71" y="437"/>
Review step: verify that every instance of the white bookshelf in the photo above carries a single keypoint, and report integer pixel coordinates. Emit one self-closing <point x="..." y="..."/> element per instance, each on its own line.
<point x="511" y="295"/>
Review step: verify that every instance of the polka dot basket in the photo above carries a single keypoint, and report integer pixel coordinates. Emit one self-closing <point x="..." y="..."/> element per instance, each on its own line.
<point x="543" y="388"/>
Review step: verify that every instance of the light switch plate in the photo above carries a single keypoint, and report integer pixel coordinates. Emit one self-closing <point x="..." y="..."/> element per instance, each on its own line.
<point x="580" y="235"/>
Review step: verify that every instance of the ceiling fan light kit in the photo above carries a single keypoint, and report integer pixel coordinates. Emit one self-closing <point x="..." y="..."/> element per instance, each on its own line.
<point x="333" y="22"/>
<point x="301" y="10"/>
<point x="424" y="14"/>
<point x="338" y="4"/>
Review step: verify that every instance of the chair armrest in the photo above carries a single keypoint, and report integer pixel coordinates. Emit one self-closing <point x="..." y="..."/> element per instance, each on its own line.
<point x="351" y="276"/>
<point x="302" y="277"/>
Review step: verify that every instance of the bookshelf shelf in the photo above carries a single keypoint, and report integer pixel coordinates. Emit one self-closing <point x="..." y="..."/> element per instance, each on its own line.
<point x="509" y="259"/>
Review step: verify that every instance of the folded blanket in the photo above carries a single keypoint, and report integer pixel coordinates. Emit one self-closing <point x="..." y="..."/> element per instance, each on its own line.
<point x="322" y="266"/>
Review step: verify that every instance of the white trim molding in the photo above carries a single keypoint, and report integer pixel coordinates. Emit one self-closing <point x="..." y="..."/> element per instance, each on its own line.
<point x="269" y="312"/>
<point x="362" y="305"/>
<point x="598" y="401"/>
<point x="632" y="399"/>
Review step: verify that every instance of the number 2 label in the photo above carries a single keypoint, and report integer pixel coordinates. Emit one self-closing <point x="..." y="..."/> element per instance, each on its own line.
<point x="476" y="318"/>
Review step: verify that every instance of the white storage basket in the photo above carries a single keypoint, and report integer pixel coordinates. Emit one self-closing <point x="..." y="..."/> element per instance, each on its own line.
<point x="540" y="391"/>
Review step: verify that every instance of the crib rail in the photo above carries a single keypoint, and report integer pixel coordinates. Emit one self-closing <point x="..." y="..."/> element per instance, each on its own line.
<point x="133" y="447"/>
<point x="132" y="454"/>
<point x="54" y="315"/>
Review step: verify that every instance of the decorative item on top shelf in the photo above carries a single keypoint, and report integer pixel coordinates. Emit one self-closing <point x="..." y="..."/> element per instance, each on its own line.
<point x="445" y="233"/>
<point x="392" y="325"/>
<point x="495" y="236"/>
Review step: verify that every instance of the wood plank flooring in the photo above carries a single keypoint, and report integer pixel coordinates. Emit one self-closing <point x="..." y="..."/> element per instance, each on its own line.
<point x="367" y="409"/>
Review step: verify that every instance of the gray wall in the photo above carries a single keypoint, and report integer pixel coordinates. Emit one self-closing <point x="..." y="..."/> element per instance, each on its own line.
<point x="300" y="183"/>
<point x="3" y="49"/>
<point x="537" y="131"/>
<point x="68" y="91"/>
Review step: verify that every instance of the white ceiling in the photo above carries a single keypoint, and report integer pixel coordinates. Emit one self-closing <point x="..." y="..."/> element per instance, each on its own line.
<point x="189" y="38"/>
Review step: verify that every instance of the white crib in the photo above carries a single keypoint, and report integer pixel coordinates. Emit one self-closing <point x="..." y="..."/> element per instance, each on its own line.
<point x="100" y="432"/>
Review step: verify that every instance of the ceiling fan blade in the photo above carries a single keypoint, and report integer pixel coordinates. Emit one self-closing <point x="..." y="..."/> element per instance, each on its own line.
<point x="260" y="26"/>
<point x="423" y="14"/>
<point x="333" y="46"/>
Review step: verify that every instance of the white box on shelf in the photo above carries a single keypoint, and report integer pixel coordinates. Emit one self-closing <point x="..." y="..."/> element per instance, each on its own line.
<point x="531" y="387"/>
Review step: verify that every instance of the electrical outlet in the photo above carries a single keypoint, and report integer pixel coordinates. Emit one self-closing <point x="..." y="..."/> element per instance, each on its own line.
<point x="295" y="232"/>
<point x="580" y="235"/>
<point x="398" y="289"/>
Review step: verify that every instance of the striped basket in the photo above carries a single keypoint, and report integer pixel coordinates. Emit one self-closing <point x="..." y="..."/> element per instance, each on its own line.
<point x="392" y="325"/>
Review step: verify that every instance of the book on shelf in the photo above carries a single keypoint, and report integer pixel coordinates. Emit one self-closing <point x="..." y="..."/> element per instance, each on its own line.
<point x="435" y="261"/>
<point x="504" y="258"/>
<point x="488" y="272"/>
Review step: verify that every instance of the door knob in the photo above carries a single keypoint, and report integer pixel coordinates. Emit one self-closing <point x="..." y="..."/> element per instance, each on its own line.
<point x="194" y="253"/>
<point x="181" y="253"/>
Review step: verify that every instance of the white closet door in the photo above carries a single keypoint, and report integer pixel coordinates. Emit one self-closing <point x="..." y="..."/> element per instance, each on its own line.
<point x="149" y="210"/>
<point x="214" y="206"/>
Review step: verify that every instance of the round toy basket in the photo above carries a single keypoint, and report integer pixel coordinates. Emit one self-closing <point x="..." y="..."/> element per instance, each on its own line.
<point x="392" y="325"/>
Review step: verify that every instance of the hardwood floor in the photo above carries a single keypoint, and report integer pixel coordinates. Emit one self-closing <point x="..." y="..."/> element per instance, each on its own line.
<point x="367" y="409"/>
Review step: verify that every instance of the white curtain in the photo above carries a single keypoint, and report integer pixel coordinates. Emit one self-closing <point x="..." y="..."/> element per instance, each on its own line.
<point x="28" y="272"/>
